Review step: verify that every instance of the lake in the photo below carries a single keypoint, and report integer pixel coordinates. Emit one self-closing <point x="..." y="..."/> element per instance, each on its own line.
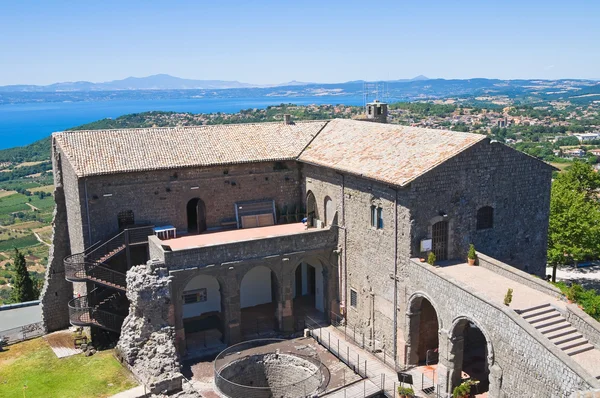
<point x="22" y="124"/>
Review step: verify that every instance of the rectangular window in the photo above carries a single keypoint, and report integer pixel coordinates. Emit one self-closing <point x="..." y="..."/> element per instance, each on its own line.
<point x="373" y="216"/>
<point x="379" y="218"/>
<point x="353" y="298"/>
<point x="195" y="296"/>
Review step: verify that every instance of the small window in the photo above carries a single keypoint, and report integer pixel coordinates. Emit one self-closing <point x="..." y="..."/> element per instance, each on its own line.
<point x="369" y="109"/>
<point x="125" y="219"/>
<point x="195" y="296"/>
<point x="379" y="218"/>
<point x="374" y="216"/>
<point x="353" y="298"/>
<point x="485" y="217"/>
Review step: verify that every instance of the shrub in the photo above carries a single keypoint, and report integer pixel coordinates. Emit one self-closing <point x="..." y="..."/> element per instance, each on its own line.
<point x="508" y="297"/>
<point x="431" y="258"/>
<point x="407" y="391"/>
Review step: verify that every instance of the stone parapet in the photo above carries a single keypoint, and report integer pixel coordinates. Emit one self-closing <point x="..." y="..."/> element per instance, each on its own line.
<point x="587" y="326"/>
<point x="312" y="239"/>
<point x="517" y="275"/>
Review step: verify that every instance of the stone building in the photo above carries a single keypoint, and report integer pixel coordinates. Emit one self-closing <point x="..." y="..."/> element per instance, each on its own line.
<point x="217" y="213"/>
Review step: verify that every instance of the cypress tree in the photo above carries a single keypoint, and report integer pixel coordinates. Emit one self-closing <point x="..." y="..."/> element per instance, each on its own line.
<point x="22" y="284"/>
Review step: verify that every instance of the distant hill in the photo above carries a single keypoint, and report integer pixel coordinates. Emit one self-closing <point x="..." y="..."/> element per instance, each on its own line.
<point x="158" y="82"/>
<point x="155" y="82"/>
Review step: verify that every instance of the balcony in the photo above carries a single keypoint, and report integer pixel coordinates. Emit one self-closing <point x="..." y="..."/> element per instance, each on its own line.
<point x="240" y="244"/>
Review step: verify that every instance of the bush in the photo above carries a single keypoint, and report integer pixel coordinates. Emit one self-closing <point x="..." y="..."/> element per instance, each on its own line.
<point x="508" y="297"/>
<point x="407" y="391"/>
<point x="431" y="258"/>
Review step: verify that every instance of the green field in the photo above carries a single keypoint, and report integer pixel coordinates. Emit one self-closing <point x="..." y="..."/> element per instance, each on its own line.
<point x="31" y="369"/>
<point x="19" y="243"/>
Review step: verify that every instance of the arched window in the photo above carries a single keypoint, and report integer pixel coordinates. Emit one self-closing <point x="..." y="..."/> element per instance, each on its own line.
<point x="328" y="211"/>
<point x="485" y="217"/>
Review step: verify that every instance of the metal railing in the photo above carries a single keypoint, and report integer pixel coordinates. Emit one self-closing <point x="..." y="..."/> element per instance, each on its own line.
<point x="231" y="379"/>
<point x="358" y="338"/>
<point x="21" y="333"/>
<point x="90" y="265"/>
<point x="83" y="313"/>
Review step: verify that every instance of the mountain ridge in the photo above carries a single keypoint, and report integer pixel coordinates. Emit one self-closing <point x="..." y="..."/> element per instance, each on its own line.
<point x="159" y="82"/>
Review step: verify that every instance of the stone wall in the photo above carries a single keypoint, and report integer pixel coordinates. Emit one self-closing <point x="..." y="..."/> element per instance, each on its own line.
<point x="311" y="239"/>
<point x="521" y="361"/>
<point x="57" y="290"/>
<point x="517" y="275"/>
<point x="516" y="185"/>
<point x="147" y="342"/>
<point x="160" y="197"/>
<point x="585" y="324"/>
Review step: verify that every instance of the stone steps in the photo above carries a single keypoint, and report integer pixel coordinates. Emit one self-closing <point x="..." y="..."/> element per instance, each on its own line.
<point x="550" y="322"/>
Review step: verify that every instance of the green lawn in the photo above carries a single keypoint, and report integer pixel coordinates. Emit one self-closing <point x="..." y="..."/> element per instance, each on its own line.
<point x="33" y="364"/>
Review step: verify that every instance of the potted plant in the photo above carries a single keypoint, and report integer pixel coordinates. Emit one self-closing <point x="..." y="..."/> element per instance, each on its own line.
<point x="405" y="392"/>
<point x="472" y="255"/>
<point x="431" y="258"/>
<point x="508" y="297"/>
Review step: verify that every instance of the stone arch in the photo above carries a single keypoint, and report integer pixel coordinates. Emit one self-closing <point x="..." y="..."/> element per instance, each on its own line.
<point x="196" y="215"/>
<point x="309" y="285"/>
<point x="328" y="211"/>
<point x="447" y="248"/>
<point x="422" y="332"/>
<point x="202" y="310"/>
<point x="259" y="297"/>
<point x="312" y="211"/>
<point x="463" y="330"/>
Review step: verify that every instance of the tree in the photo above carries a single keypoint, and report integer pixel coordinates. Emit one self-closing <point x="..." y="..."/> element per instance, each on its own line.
<point x="574" y="227"/>
<point x="23" y="289"/>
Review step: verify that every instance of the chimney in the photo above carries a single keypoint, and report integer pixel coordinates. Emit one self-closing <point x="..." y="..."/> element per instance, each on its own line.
<point x="287" y="119"/>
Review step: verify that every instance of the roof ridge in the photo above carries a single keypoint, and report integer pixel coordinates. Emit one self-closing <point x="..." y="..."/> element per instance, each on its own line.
<point x="199" y="126"/>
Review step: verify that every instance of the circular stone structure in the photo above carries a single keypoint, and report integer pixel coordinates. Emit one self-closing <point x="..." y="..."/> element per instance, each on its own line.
<point x="252" y="369"/>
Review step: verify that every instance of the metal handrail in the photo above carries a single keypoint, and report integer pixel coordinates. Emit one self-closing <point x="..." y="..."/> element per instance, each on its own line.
<point x="88" y="265"/>
<point x="81" y="313"/>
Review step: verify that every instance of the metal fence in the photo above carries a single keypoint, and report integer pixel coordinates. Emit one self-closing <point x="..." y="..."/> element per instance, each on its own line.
<point x="22" y="333"/>
<point x="359" y="339"/>
<point x="262" y="373"/>
<point x="378" y="376"/>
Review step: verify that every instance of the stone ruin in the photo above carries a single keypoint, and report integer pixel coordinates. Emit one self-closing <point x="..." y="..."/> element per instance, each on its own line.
<point x="147" y="343"/>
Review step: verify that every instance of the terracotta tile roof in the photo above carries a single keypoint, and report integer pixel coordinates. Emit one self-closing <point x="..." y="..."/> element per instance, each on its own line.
<point x="125" y="150"/>
<point x="385" y="152"/>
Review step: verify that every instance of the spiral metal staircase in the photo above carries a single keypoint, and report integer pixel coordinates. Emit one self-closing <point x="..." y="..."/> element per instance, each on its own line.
<point x="102" y="306"/>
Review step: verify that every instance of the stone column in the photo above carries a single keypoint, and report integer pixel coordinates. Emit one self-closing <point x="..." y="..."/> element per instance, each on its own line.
<point x="444" y="366"/>
<point x="495" y="379"/>
<point x="285" y="302"/>
<point x="413" y="320"/>
<point x="175" y="316"/>
<point x="455" y="360"/>
<point x="231" y="309"/>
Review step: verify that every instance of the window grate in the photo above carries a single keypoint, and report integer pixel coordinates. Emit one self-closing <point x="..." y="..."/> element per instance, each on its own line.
<point x="353" y="298"/>
<point x="485" y="217"/>
<point x="439" y="234"/>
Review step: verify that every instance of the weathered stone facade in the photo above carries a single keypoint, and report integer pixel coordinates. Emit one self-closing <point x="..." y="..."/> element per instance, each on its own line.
<point x="368" y="232"/>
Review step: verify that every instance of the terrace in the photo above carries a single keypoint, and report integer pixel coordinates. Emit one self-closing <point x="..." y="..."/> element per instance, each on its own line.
<point x="240" y="244"/>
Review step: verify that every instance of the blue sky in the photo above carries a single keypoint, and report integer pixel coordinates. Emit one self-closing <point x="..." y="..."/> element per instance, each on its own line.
<point x="42" y="42"/>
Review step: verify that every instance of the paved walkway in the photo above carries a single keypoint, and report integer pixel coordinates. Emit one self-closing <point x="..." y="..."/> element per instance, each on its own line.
<point x="135" y="392"/>
<point x="494" y="286"/>
<point x="378" y="377"/>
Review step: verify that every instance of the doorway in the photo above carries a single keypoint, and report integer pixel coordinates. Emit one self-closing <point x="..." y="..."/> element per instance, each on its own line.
<point x="196" y="216"/>
<point x="439" y="235"/>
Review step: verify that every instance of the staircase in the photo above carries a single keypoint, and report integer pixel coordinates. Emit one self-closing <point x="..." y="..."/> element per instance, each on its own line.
<point x="557" y="329"/>
<point x="98" y="308"/>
